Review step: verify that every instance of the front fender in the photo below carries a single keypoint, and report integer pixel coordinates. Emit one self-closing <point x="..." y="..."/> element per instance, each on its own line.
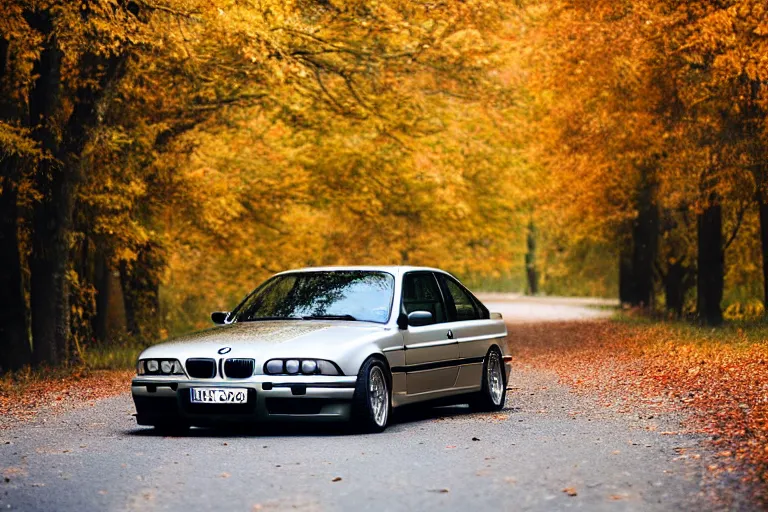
<point x="354" y="357"/>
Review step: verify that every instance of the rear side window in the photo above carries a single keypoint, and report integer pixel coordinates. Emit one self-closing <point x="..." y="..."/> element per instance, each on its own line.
<point x="422" y="293"/>
<point x="465" y="307"/>
<point x="461" y="304"/>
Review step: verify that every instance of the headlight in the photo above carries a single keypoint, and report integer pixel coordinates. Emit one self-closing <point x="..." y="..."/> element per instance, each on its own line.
<point x="274" y="366"/>
<point x="309" y="367"/>
<point x="292" y="366"/>
<point x="159" y="367"/>
<point x="306" y="366"/>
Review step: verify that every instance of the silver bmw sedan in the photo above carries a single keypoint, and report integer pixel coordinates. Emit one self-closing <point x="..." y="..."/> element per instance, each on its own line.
<point x="330" y="344"/>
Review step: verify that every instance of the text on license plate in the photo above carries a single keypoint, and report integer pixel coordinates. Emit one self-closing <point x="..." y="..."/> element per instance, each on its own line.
<point x="218" y="395"/>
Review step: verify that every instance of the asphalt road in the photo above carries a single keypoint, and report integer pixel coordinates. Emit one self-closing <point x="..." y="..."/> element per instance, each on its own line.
<point x="550" y="449"/>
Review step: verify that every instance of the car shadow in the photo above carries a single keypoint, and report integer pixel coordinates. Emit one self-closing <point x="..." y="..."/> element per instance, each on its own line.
<point x="226" y="431"/>
<point x="403" y="417"/>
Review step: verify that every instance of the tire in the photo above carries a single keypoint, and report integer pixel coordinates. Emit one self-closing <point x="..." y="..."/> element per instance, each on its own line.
<point x="494" y="384"/>
<point x="372" y="401"/>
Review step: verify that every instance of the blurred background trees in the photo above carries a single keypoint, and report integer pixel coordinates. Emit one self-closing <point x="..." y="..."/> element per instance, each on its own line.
<point x="652" y="123"/>
<point x="161" y="158"/>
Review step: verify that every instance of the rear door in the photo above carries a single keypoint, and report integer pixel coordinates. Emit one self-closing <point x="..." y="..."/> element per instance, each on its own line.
<point x="470" y="324"/>
<point x="430" y="350"/>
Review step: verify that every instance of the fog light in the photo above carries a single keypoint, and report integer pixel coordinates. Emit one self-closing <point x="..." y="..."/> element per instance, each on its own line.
<point x="308" y="367"/>
<point x="166" y="367"/>
<point x="152" y="365"/>
<point x="275" y="366"/>
<point x="292" y="366"/>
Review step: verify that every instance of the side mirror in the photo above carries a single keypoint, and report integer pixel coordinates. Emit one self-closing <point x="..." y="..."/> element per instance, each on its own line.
<point x="219" y="317"/>
<point x="419" y="318"/>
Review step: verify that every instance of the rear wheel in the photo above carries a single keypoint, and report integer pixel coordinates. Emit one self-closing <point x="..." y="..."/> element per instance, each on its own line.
<point x="371" y="403"/>
<point x="494" y="386"/>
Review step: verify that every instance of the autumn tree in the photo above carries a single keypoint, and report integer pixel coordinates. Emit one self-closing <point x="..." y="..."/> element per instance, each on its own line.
<point x="645" y="93"/>
<point x="149" y="135"/>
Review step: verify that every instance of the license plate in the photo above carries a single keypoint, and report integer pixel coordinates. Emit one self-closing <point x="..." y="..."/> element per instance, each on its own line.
<point x="218" y="395"/>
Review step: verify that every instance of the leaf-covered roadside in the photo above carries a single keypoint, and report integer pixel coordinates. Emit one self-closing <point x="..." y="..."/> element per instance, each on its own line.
<point x="24" y="396"/>
<point x="718" y="377"/>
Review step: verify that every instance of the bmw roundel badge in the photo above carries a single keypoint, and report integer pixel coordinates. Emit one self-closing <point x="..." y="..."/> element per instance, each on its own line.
<point x="225" y="350"/>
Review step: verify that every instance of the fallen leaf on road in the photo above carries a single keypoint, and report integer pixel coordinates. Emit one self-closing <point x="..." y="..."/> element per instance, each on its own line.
<point x="441" y="491"/>
<point x="7" y="472"/>
<point x="475" y="439"/>
<point x="336" y="479"/>
<point x="570" y="491"/>
<point x="617" y="497"/>
<point x="224" y="475"/>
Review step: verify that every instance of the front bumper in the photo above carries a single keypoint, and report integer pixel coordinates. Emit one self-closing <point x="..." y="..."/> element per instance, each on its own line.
<point x="162" y="400"/>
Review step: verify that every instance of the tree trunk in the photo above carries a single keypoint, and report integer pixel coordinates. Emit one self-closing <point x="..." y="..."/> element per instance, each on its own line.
<point x="15" y="350"/>
<point x="763" y="206"/>
<point x="102" y="280"/>
<point x="141" y="293"/>
<point x="626" y="278"/>
<point x="675" y="287"/>
<point x="49" y="297"/>
<point x="57" y="180"/>
<point x="49" y="262"/>
<point x="530" y="260"/>
<point x="645" y="238"/>
<point x="711" y="263"/>
<point x="130" y="300"/>
<point x="637" y="254"/>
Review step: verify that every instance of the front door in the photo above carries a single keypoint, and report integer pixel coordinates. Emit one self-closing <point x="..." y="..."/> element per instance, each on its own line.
<point x="430" y="350"/>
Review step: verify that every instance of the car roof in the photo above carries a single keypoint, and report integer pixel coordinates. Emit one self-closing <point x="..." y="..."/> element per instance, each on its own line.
<point x="392" y="269"/>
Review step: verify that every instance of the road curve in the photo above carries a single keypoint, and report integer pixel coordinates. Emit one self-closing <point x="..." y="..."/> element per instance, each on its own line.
<point x="518" y="309"/>
<point x="550" y="449"/>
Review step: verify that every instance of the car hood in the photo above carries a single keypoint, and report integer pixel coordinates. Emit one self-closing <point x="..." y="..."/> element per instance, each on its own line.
<point x="266" y="339"/>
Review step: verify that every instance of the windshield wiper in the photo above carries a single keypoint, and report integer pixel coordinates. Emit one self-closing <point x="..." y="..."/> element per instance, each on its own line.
<point x="262" y="318"/>
<point x="329" y="317"/>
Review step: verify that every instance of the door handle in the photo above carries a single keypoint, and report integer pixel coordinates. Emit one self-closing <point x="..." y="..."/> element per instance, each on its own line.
<point x="449" y="334"/>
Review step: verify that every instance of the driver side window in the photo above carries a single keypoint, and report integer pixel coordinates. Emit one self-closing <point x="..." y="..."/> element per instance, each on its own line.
<point x="422" y="293"/>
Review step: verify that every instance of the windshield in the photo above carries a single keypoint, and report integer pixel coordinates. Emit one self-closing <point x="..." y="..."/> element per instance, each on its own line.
<point x="334" y="295"/>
